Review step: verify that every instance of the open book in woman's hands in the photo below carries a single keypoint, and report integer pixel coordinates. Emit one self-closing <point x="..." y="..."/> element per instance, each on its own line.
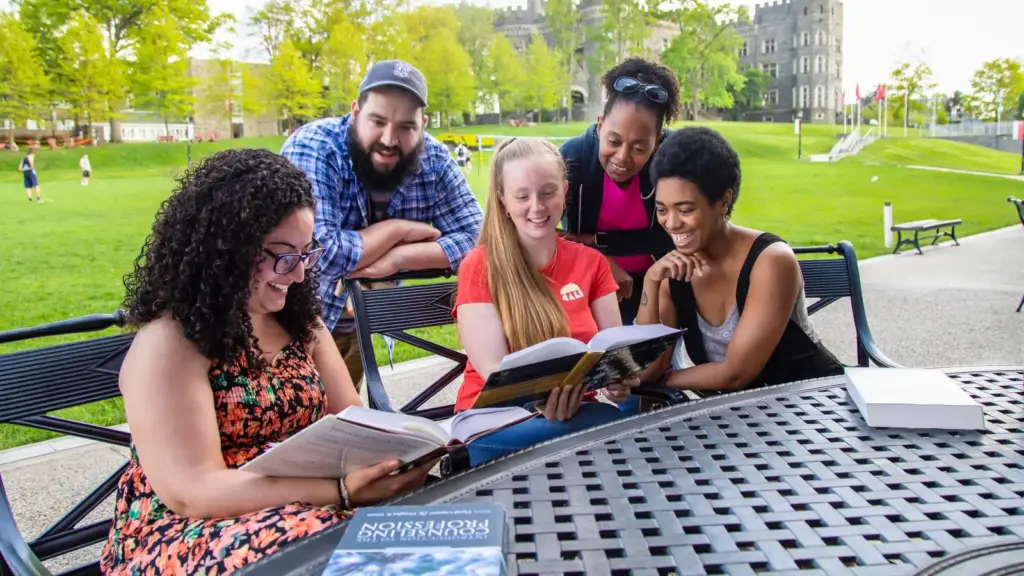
<point x="527" y="376"/>
<point x="358" y="437"/>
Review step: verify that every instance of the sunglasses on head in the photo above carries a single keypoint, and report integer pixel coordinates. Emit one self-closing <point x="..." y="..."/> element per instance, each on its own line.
<point x="285" y="263"/>
<point x="628" y="85"/>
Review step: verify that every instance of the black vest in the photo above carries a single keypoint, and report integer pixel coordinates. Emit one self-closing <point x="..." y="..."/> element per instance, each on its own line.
<point x="796" y="356"/>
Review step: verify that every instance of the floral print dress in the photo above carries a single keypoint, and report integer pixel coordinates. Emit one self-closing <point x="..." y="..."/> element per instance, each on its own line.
<point x="255" y="407"/>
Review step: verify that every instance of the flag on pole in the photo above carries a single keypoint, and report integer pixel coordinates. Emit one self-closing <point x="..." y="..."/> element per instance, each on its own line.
<point x="857" y="93"/>
<point x="1018" y="130"/>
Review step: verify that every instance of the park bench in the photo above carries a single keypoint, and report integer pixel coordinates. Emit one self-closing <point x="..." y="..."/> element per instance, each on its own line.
<point x="1019" y="205"/>
<point x="34" y="383"/>
<point x="937" y="227"/>
<point x="393" y="311"/>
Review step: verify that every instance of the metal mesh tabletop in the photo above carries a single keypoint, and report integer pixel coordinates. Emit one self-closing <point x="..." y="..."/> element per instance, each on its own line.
<point x="783" y="480"/>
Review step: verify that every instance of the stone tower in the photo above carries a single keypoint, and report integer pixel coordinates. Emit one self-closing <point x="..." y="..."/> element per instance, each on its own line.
<point x="800" y="43"/>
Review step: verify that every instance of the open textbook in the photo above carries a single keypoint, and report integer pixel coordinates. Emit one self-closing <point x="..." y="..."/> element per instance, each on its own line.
<point x="527" y="376"/>
<point x="358" y="437"/>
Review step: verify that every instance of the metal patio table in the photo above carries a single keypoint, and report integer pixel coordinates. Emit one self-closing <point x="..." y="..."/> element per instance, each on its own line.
<point x="782" y="480"/>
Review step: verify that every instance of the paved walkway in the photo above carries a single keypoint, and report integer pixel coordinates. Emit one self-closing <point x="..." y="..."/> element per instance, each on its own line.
<point x="1018" y="177"/>
<point x="950" y="306"/>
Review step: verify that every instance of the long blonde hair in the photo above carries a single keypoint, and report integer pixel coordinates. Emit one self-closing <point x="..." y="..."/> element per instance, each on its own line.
<point x="529" y="310"/>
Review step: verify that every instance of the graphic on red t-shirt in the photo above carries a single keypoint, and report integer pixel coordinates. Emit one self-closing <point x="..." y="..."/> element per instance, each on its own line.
<point x="577" y="274"/>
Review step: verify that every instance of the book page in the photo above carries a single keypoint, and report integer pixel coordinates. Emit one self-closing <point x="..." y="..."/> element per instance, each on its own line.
<point x="333" y="447"/>
<point x="396" y="422"/>
<point x="611" y="338"/>
<point x="471" y="423"/>
<point x="547" y="350"/>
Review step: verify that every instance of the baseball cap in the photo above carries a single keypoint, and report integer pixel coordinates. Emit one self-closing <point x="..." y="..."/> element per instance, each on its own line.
<point x="395" y="73"/>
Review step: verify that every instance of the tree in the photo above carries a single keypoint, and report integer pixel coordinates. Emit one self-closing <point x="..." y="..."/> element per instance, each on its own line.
<point x="909" y="82"/>
<point x="122" y="23"/>
<point x="543" y="70"/>
<point x="996" y="88"/>
<point x="705" y="53"/>
<point x="294" y="89"/>
<point x="751" y="95"/>
<point x="160" y="76"/>
<point x="344" y="63"/>
<point x="625" y="24"/>
<point x="476" y="34"/>
<point x="510" y="76"/>
<point x="429" y="41"/>
<point x="219" y="91"/>
<point x="23" y="82"/>
<point x="568" y="35"/>
<point x="85" y="78"/>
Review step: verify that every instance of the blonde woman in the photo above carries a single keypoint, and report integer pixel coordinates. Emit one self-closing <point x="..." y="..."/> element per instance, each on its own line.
<point x="523" y="284"/>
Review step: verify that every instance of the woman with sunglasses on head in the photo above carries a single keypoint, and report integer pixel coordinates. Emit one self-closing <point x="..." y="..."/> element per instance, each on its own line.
<point x="230" y="356"/>
<point x="610" y="202"/>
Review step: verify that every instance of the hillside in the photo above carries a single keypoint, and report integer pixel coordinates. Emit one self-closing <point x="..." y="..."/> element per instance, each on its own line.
<point x="939" y="153"/>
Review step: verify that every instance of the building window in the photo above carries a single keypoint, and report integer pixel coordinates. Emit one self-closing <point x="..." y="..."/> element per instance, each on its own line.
<point x="805" y="94"/>
<point x="805" y="65"/>
<point x="770" y="98"/>
<point x="819" y="96"/>
<point x="768" y="47"/>
<point x="819" y="65"/>
<point x="794" y="67"/>
<point x="795" y="102"/>
<point x="743" y="49"/>
<point x="819" y="38"/>
<point x="805" y="10"/>
<point x="821" y="8"/>
<point x="819" y="116"/>
<point x="805" y="38"/>
<point x="771" y="68"/>
<point x="767" y="119"/>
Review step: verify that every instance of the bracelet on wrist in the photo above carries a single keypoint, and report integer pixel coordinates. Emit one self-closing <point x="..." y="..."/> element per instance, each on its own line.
<point x="346" y="502"/>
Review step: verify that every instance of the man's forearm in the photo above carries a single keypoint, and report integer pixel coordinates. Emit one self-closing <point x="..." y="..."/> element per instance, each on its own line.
<point x="378" y="239"/>
<point x="420" y="256"/>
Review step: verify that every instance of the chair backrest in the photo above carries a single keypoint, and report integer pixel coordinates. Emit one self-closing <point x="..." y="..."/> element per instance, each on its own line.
<point x="1019" y="205"/>
<point x="391" y="312"/>
<point x="37" y="381"/>
<point x="831" y="279"/>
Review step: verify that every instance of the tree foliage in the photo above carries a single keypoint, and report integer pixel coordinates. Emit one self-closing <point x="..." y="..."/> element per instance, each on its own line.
<point x="295" y="91"/>
<point x="86" y="78"/>
<point x="996" y="89"/>
<point x="24" y="85"/>
<point x="160" y="76"/>
<point x="705" y="53"/>
<point x="543" y="88"/>
<point x="908" y="83"/>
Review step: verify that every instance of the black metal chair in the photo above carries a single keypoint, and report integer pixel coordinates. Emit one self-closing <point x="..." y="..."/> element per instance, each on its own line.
<point x="36" y="382"/>
<point x="832" y="279"/>
<point x="1019" y="205"/>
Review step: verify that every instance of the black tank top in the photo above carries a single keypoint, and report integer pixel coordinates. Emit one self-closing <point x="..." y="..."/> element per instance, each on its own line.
<point x="796" y="356"/>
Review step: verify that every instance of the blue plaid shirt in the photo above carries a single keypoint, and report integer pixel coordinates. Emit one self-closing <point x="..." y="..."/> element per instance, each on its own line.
<point x="437" y="194"/>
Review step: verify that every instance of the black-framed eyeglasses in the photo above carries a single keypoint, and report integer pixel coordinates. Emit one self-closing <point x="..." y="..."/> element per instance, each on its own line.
<point x="628" y="85"/>
<point x="285" y="263"/>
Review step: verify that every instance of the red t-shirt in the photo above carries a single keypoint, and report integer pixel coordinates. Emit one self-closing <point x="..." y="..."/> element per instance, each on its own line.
<point x="577" y="274"/>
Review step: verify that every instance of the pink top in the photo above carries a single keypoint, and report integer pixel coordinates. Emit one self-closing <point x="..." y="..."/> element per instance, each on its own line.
<point x="624" y="210"/>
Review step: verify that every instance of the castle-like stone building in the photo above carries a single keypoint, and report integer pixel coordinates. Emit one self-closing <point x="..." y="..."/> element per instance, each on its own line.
<point x="798" y="42"/>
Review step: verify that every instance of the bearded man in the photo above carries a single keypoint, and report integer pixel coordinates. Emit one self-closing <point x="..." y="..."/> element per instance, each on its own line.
<point x="389" y="196"/>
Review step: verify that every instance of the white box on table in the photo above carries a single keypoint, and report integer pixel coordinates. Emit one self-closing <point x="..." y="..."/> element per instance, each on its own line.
<point x="912" y="398"/>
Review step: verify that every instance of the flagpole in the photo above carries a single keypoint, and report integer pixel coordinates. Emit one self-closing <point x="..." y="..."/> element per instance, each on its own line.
<point x="906" y="110"/>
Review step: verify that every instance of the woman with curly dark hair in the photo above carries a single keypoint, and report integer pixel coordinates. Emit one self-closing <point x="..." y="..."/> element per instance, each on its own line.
<point x="610" y="202"/>
<point x="230" y="357"/>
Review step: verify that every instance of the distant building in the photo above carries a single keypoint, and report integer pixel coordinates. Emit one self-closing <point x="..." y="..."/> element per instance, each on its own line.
<point x="800" y="43"/>
<point x="519" y="24"/>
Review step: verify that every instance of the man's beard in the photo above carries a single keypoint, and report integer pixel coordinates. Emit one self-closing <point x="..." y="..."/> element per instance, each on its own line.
<point x="407" y="165"/>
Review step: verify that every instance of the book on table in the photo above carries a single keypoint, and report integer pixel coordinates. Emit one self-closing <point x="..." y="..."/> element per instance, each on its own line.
<point x="912" y="398"/>
<point x="470" y="539"/>
<point x="358" y="437"/>
<point x="527" y="376"/>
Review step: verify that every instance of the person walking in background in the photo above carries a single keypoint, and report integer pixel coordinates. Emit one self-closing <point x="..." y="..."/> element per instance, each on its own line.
<point x="389" y="196"/>
<point x="28" y="173"/>
<point x="86" y="169"/>
<point x="610" y="202"/>
<point x="462" y="157"/>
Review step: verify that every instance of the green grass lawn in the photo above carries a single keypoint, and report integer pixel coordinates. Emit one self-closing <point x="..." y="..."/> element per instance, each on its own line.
<point x="66" y="257"/>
